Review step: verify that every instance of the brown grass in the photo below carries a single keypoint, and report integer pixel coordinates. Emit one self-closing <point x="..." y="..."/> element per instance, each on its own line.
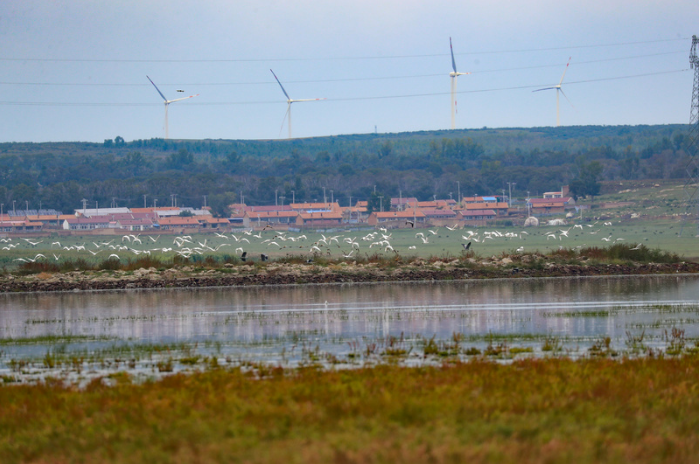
<point x="532" y="411"/>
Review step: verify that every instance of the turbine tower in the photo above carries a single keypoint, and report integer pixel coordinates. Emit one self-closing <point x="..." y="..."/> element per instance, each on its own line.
<point x="559" y="89"/>
<point x="453" y="85"/>
<point x="167" y="102"/>
<point x="288" y="114"/>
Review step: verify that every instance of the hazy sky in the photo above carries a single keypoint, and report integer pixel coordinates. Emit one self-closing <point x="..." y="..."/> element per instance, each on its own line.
<point x="75" y="70"/>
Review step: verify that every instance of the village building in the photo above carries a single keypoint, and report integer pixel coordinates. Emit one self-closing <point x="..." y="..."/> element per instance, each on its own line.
<point x="396" y="218"/>
<point x="319" y="219"/>
<point x="501" y="209"/>
<point x="476" y="200"/>
<point x="433" y="215"/>
<point x="400" y="204"/>
<point x="210" y="222"/>
<point x="17" y="224"/>
<point x="564" y="192"/>
<point x="548" y="206"/>
<point x="135" y="224"/>
<point x="179" y="222"/>
<point x="91" y="212"/>
<point x="354" y="214"/>
<point x="477" y="217"/>
<point x="316" y="207"/>
<point x="89" y="223"/>
<point x="262" y="218"/>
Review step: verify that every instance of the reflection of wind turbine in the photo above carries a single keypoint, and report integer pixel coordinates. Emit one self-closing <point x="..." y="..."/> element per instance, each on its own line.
<point x="167" y="102"/>
<point x="558" y="87"/>
<point x="453" y="84"/>
<point x="288" y="114"/>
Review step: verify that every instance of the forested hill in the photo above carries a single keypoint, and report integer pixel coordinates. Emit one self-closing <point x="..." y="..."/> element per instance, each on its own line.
<point x="420" y="164"/>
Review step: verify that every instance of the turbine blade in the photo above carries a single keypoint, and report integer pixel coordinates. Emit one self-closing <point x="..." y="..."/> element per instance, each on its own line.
<point x="567" y="67"/>
<point x="454" y="66"/>
<point x="289" y="107"/>
<point x="183" y="98"/>
<point x="567" y="98"/>
<point x="546" y="88"/>
<point x="278" y="81"/>
<point x="307" y="100"/>
<point x="154" y="85"/>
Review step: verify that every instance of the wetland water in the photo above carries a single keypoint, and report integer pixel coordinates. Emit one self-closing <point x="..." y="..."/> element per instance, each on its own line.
<point x="291" y="324"/>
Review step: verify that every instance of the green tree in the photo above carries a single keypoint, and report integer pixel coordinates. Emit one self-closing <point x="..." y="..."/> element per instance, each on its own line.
<point x="373" y="203"/>
<point x="180" y="160"/>
<point x="220" y="203"/>
<point x="587" y="181"/>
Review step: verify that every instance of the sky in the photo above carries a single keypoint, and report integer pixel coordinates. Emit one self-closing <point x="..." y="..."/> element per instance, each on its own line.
<point x="75" y="70"/>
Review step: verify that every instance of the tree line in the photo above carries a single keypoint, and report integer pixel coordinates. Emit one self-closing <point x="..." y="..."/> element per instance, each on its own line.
<point x="424" y="165"/>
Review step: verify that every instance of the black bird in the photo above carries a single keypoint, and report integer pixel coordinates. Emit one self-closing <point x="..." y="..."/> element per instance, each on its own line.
<point x="264" y="257"/>
<point x="243" y="255"/>
<point x="466" y="247"/>
<point x="410" y="222"/>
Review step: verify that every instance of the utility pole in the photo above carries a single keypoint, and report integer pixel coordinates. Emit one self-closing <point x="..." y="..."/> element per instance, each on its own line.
<point x="172" y="199"/>
<point x="26" y="210"/>
<point x="205" y="200"/>
<point x="459" y="195"/>
<point x="510" y="198"/>
<point x="276" y="197"/>
<point x="381" y="207"/>
<point x="155" y="201"/>
<point x="83" y="200"/>
<point x="293" y="202"/>
<point x="324" y="194"/>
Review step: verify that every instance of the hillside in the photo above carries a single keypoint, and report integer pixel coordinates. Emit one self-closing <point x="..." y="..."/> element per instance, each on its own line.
<point x="347" y="168"/>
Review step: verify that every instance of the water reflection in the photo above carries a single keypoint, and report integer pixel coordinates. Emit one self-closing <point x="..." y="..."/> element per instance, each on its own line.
<point x="339" y="312"/>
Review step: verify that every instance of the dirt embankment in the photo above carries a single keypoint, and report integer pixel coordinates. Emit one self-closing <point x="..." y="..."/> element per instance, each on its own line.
<point x="289" y="274"/>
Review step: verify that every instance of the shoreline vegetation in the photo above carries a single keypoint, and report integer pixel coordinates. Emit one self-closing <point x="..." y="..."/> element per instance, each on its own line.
<point x="229" y="270"/>
<point x="591" y="410"/>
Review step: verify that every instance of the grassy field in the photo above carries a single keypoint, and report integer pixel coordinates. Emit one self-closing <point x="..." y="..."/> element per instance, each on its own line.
<point x="532" y="411"/>
<point x="654" y="234"/>
<point x="631" y="212"/>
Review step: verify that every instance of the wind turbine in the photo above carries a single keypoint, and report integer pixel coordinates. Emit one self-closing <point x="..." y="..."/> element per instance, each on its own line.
<point x="289" y="104"/>
<point x="559" y="89"/>
<point x="453" y="84"/>
<point x="167" y="102"/>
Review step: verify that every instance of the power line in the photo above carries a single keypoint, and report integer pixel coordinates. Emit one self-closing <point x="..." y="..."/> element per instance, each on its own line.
<point x="257" y="60"/>
<point x="385" y="97"/>
<point x="347" y="79"/>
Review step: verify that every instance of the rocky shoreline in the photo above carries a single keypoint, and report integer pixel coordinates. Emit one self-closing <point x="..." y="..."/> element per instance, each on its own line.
<point x="298" y="274"/>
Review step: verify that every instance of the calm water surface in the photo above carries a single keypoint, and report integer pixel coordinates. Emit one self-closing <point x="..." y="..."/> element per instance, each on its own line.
<point x="261" y="323"/>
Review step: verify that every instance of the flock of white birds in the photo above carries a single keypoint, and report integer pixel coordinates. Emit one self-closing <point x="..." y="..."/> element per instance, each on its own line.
<point x="380" y="240"/>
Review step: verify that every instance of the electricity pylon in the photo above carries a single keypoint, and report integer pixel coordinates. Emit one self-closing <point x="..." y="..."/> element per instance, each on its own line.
<point x="690" y="188"/>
